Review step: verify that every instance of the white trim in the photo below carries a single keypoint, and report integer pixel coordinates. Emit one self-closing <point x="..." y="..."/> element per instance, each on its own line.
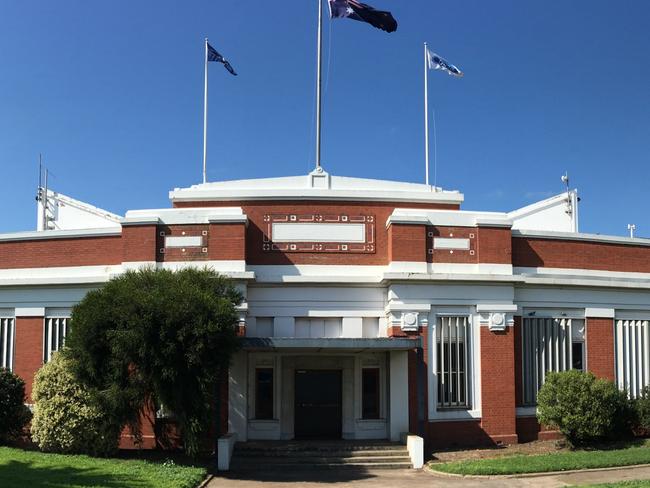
<point x="60" y="234"/>
<point x="584" y="273"/>
<point x="571" y="236"/>
<point x="180" y="216"/>
<point x="450" y="243"/>
<point x="450" y="218"/>
<point x="30" y="312"/>
<point x="318" y="232"/>
<point x="600" y="313"/>
<point x="183" y="241"/>
<point x="496" y="307"/>
<point x="633" y="314"/>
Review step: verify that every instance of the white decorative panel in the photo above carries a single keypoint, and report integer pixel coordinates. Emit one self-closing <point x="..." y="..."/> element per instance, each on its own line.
<point x="319" y="232"/>
<point x="183" y="241"/>
<point x="450" y="243"/>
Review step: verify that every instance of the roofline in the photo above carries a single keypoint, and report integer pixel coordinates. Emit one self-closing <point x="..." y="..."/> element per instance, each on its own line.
<point x="39" y="235"/>
<point x="570" y="236"/>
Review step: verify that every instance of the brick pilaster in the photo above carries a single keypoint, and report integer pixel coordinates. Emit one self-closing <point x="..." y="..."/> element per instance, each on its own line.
<point x="28" y="355"/>
<point x="600" y="347"/>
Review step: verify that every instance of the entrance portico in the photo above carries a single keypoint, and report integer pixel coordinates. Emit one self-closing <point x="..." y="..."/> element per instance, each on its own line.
<point x="288" y="388"/>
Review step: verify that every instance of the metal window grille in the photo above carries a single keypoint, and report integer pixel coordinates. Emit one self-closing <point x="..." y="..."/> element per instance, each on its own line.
<point x="632" y="346"/>
<point x="452" y="339"/>
<point x="547" y="345"/>
<point x="56" y="328"/>
<point x="7" y="331"/>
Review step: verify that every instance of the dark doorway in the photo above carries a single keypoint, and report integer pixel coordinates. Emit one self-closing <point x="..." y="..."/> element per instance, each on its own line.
<point x="318" y="413"/>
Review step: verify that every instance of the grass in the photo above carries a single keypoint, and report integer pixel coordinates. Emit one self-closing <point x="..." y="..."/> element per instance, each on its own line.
<point x="542" y="463"/>
<point x="622" y="484"/>
<point x="32" y="469"/>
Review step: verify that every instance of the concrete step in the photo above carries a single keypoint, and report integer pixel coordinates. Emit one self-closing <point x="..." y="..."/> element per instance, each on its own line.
<point x="235" y="466"/>
<point x="255" y="453"/>
<point x="321" y="460"/>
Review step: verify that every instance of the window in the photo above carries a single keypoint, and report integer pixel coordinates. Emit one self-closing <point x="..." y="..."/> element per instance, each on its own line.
<point x="318" y="328"/>
<point x="56" y="328"/>
<point x="264" y="393"/>
<point x="452" y="362"/>
<point x="7" y="329"/>
<point x="550" y="344"/>
<point x="370" y="393"/>
<point x="632" y="351"/>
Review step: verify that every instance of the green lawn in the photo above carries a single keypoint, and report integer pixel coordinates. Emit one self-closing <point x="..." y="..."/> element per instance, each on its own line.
<point x="30" y="469"/>
<point x="622" y="484"/>
<point x="559" y="461"/>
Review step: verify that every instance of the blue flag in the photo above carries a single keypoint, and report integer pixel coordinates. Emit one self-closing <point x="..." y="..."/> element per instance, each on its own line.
<point x="213" y="55"/>
<point x="351" y="9"/>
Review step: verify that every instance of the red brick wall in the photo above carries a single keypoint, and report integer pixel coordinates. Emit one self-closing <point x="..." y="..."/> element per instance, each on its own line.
<point x="227" y="242"/>
<point x="531" y="252"/>
<point x="46" y="253"/>
<point x="140" y="243"/>
<point x="528" y="430"/>
<point x="494" y="245"/>
<point x="255" y="210"/>
<point x="599" y="341"/>
<point x="407" y="243"/>
<point x="456" y="434"/>
<point x="28" y="356"/>
<point x="498" y="384"/>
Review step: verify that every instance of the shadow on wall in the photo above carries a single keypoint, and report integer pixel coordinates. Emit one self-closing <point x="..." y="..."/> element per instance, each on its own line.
<point x="523" y="254"/>
<point x="456" y="435"/>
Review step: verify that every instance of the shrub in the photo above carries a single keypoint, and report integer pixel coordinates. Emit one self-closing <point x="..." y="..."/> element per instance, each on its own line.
<point x="642" y="408"/>
<point x="14" y="415"/>
<point x="584" y="408"/>
<point x="67" y="418"/>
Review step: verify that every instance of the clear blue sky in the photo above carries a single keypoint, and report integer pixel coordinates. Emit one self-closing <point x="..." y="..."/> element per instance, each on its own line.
<point x="111" y="94"/>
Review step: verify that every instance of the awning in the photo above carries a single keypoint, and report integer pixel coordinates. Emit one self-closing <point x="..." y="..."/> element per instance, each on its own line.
<point x="331" y="345"/>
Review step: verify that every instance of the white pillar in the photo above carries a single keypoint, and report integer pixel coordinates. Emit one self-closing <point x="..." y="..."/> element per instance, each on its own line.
<point x="399" y="394"/>
<point x="237" y="397"/>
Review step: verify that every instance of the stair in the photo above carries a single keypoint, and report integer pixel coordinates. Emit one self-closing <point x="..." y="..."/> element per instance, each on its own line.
<point x="295" y="455"/>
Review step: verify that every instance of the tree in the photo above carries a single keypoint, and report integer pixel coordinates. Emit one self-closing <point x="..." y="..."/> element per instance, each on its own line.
<point x="68" y="417"/>
<point x="161" y="336"/>
<point x="14" y="415"/>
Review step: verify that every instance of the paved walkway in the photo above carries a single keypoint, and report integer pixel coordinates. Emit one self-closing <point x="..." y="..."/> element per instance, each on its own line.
<point x="416" y="479"/>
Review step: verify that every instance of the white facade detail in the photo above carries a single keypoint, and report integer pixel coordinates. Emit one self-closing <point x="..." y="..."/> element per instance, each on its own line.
<point x="66" y="213"/>
<point x="633" y="355"/>
<point x="302" y="232"/>
<point x="7" y="338"/>
<point x="558" y="213"/>
<point x="183" y="241"/>
<point x="450" y="243"/>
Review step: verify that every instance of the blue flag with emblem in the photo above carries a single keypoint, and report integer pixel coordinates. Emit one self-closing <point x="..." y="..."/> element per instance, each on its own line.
<point x="437" y="62"/>
<point x="213" y="55"/>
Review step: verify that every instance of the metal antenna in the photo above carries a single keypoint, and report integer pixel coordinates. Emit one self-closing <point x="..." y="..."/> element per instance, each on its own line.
<point x="631" y="228"/>
<point x="565" y="180"/>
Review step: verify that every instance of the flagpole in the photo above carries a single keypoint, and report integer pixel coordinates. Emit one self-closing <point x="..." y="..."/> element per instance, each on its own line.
<point x="426" y="113"/>
<point x="205" y="114"/>
<point x="318" y="82"/>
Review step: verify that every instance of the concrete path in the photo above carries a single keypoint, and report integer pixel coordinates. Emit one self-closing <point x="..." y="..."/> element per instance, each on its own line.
<point x="416" y="479"/>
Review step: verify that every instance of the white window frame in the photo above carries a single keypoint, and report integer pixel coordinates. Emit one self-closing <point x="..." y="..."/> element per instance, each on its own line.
<point x="55" y="330"/>
<point x="632" y="354"/>
<point x="557" y="330"/>
<point x="7" y="341"/>
<point x="473" y="369"/>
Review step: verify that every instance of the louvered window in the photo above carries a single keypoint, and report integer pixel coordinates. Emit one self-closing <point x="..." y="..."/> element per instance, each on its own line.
<point x="632" y="351"/>
<point x="452" y="357"/>
<point x="7" y="331"/>
<point x="549" y="344"/>
<point x="56" y="328"/>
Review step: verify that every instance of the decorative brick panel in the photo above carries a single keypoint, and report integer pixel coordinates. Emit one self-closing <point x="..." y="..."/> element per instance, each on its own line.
<point x="600" y="347"/>
<point x="46" y="253"/>
<point x="256" y="210"/>
<point x="548" y="253"/>
<point x="188" y="253"/>
<point x="498" y="411"/>
<point x="28" y="355"/>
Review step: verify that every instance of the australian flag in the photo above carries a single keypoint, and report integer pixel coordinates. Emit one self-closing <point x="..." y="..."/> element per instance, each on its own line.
<point x="351" y="9"/>
<point x="213" y="55"/>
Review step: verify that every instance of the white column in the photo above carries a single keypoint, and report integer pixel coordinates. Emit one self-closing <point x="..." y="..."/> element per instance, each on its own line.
<point x="237" y="397"/>
<point x="399" y="394"/>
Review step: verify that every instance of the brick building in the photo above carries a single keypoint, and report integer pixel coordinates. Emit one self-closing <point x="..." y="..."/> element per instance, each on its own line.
<point x="372" y="308"/>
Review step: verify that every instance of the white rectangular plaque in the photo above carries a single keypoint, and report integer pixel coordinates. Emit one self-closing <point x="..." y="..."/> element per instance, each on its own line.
<point x="307" y="232"/>
<point x="450" y="243"/>
<point x="183" y="241"/>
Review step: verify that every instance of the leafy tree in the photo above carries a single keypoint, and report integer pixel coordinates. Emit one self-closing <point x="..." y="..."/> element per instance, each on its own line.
<point x="584" y="408"/>
<point x="14" y="415"/>
<point x="68" y="418"/>
<point x="158" y="335"/>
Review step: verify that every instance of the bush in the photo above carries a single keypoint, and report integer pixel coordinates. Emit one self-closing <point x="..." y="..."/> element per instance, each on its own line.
<point x="642" y="408"/>
<point x="14" y="415"/>
<point x="67" y="419"/>
<point x="584" y="408"/>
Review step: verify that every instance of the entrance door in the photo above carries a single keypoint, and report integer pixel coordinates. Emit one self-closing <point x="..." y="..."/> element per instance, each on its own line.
<point x="318" y="413"/>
